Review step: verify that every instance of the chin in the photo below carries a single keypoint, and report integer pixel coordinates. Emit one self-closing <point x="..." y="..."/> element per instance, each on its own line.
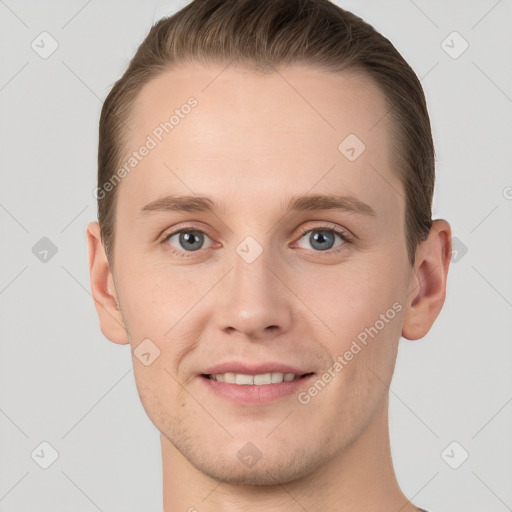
<point x="270" y="470"/>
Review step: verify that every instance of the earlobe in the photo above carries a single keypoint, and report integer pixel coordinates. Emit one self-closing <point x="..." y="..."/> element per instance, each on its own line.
<point x="427" y="290"/>
<point x="103" y="289"/>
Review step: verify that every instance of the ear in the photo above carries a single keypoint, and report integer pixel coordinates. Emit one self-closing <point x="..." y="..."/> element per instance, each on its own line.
<point x="427" y="287"/>
<point x="103" y="289"/>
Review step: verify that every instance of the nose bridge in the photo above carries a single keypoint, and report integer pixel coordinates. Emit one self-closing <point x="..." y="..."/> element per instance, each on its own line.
<point x="253" y="302"/>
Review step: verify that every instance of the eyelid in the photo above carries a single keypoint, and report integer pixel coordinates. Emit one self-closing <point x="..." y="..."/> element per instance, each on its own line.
<point x="173" y="233"/>
<point x="186" y="226"/>
<point x="326" y="226"/>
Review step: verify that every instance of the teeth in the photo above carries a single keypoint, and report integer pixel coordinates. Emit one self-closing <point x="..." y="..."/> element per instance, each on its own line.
<point x="230" y="378"/>
<point x="244" y="379"/>
<point x="258" y="380"/>
<point x="264" y="378"/>
<point x="277" y="377"/>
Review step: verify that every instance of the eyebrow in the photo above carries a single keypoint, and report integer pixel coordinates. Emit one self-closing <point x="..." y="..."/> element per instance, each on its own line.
<point x="312" y="202"/>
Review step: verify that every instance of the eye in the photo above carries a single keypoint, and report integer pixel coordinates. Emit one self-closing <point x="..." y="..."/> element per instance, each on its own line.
<point x="323" y="238"/>
<point x="186" y="240"/>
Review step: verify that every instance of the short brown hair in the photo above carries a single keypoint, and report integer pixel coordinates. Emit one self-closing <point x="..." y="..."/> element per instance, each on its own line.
<point x="259" y="33"/>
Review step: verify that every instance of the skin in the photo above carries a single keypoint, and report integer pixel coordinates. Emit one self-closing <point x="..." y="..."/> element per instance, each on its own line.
<point x="252" y="142"/>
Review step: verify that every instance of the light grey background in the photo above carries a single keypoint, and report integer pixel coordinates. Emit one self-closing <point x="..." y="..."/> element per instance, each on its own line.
<point x="62" y="382"/>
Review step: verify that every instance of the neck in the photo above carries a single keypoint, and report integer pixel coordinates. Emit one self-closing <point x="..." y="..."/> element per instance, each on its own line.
<point x="359" y="478"/>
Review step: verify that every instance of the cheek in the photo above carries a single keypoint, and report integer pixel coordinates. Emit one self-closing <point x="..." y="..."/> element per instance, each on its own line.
<point x="155" y="305"/>
<point x="351" y="297"/>
<point x="363" y="309"/>
<point x="162" y="398"/>
<point x="361" y="303"/>
<point x="158" y="297"/>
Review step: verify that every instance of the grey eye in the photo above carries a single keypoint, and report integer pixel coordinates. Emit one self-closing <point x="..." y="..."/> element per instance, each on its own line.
<point x="321" y="239"/>
<point x="189" y="240"/>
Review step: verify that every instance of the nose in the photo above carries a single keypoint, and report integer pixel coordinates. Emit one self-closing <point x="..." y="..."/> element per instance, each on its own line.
<point x="253" y="301"/>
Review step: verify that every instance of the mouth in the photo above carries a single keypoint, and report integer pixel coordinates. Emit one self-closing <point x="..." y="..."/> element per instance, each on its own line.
<point x="260" y="379"/>
<point x="254" y="385"/>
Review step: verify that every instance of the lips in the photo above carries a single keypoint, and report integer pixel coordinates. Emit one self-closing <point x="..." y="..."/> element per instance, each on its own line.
<point x="254" y="369"/>
<point x="250" y="384"/>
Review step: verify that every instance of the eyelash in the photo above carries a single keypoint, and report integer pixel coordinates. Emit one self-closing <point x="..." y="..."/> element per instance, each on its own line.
<point x="347" y="239"/>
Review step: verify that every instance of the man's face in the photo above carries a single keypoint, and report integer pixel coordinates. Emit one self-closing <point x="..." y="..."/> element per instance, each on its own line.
<point x="254" y="286"/>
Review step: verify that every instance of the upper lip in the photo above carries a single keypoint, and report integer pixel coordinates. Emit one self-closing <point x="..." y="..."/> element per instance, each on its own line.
<point x="253" y="368"/>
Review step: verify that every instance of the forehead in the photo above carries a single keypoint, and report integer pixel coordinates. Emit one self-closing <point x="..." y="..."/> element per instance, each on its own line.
<point x="249" y="134"/>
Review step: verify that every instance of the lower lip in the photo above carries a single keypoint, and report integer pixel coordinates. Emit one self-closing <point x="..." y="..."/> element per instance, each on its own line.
<point x="254" y="395"/>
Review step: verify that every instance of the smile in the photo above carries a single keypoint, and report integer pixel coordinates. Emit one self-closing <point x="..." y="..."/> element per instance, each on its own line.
<point x="256" y="389"/>
<point x="261" y="379"/>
